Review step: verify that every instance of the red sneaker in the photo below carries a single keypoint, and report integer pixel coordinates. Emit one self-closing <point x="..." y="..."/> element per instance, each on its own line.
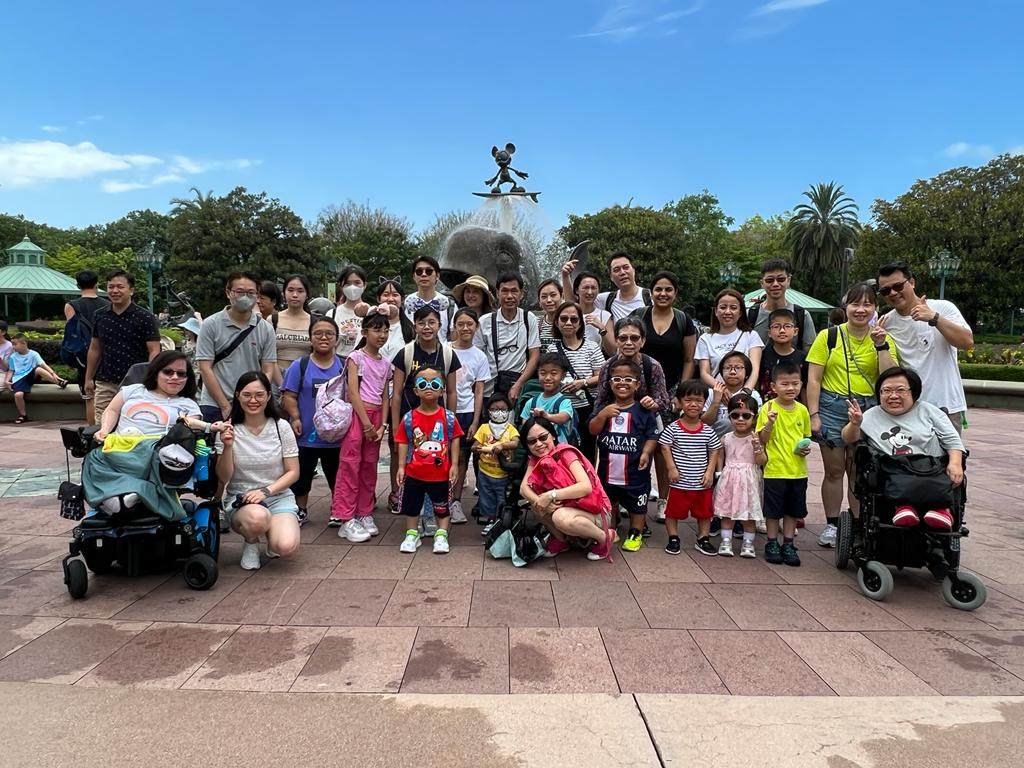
<point x="939" y="519"/>
<point x="905" y="517"/>
<point x="556" y="547"/>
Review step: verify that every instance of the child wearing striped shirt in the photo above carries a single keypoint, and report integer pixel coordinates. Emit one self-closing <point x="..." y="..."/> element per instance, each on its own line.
<point x="691" y="449"/>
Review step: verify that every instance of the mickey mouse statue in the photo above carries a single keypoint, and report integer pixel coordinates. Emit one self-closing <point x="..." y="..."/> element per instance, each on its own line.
<point x="503" y="157"/>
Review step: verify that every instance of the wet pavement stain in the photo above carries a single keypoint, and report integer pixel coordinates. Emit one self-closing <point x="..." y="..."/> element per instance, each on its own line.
<point x="256" y="652"/>
<point x="530" y="664"/>
<point x="432" y="658"/>
<point x="332" y="654"/>
<point x="160" y="653"/>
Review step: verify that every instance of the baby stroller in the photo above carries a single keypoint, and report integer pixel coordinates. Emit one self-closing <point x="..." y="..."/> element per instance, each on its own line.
<point x="874" y="543"/>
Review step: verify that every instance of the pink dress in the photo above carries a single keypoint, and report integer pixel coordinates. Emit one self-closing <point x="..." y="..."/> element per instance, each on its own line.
<point x="738" y="492"/>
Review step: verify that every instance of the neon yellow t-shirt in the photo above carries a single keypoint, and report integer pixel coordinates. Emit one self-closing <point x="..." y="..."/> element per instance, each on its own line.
<point x="791" y="426"/>
<point x="861" y="359"/>
<point x="488" y="461"/>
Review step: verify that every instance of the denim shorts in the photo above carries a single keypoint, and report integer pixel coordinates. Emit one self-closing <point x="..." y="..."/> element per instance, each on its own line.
<point x="834" y="414"/>
<point x="279" y="504"/>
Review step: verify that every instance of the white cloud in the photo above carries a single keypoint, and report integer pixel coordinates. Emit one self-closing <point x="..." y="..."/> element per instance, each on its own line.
<point x="26" y="163"/>
<point x="967" y="150"/>
<point x="167" y="178"/>
<point x="780" y="6"/>
<point x="89" y="119"/>
<point x="628" y="20"/>
<point x="113" y="187"/>
<point x="52" y="128"/>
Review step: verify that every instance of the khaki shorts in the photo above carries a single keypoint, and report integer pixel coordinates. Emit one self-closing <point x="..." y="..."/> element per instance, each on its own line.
<point x="104" y="393"/>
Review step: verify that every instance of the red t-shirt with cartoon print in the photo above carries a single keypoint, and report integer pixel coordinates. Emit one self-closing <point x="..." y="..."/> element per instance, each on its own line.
<point x="430" y="444"/>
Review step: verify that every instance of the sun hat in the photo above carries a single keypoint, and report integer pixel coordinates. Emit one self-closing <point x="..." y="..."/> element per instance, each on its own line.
<point x="320" y="306"/>
<point x="190" y="325"/>
<point x="474" y="281"/>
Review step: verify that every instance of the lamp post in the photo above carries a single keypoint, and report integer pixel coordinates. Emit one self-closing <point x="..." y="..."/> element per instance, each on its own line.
<point x="844" y="276"/>
<point x="943" y="264"/>
<point x="150" y="259"/>
<point x="729" y="273"/>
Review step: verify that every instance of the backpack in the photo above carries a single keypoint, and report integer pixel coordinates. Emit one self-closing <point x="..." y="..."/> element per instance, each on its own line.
<point x="645" y="296"/>
<point x="449" y="427"/>
<point x="798" y="312"/>
<point x="77" y="338"/>
<point x="408" y="352"/>
<point x="572" y="425"/>
<point x="332" y="416"/>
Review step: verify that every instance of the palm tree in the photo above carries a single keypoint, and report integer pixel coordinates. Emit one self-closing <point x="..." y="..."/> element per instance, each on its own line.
<point x="818" y="232"/>
<point x="180" y="204"/>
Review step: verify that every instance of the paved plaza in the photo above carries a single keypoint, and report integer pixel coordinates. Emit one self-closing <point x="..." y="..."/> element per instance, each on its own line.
<point x="647" y="645"/>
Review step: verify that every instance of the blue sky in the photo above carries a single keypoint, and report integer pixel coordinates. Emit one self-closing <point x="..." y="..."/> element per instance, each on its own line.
<point x="111" y="106"/>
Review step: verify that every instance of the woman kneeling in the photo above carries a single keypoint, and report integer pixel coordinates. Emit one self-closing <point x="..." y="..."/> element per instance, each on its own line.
<point x="259" y="461"/>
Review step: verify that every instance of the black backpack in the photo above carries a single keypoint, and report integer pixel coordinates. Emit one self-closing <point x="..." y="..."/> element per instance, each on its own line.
<point x="645" y="296"/>
<point x="798" y="312"/>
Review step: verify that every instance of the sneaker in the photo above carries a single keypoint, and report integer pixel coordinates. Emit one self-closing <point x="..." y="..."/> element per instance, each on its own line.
<point x="646" y="532"/>
<point x="725" y="548"/>
<point x="716" y="526"/>
<point x="250" y="556"/>
<point x="335" y="522"/>
<point x="441" y="542"/>
<point x="673" y="547"/>
<point x="762" y="527"/>
<point x="773" y="552"/>
<point x="705" y="547"/>
<point x="634" y="540"/>
<point x="368" y="525"/>
<point x="939" y="519"/>
<point x="828" y="536"/>
<point x="789" y="554"/>
<point x="427" y="526"/>
<point x="555" y="547"/>
<point x="411" y="542"/>
<point x="303" y="515"/>
<point x="353" y="531"/>
<point x="600" y="551"/>
<point x="393" y="506"/>
<point x="660" y="514"/>
<point x="905" y="517"/>
<point x="458" y="516"/>
<point x="271" y="554"/>
<point x="487" y="523"/>
<point x="747" y="550"/>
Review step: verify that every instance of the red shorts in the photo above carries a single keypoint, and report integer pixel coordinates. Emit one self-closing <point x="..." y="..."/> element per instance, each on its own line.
<point x="682" y="504"/>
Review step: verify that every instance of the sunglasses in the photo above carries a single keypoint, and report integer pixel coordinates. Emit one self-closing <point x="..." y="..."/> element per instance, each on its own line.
<point x="894" y="288"/>
<point x="741" y="415"/>
<point x="423" y="384"/>
<point x="623" y="380"/>
<point x="570" y="319"/>
<point x="423" y="271"/>
<point x="542" y="438"/>
<point x="625" y="337"/>
<point x="170" y="373"/>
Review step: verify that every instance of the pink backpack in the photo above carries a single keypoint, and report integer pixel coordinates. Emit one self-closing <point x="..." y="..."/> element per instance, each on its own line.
<point x="333" y="414"/>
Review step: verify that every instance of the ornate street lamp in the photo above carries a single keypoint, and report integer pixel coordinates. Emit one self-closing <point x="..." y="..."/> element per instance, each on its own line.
<point x="729" y="273"/>
<point x="150" y="259"/>
<point x="943" y="264"/>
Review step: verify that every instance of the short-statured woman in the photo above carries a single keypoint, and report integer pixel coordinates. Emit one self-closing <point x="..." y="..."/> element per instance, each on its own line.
<point x="259" y="462"/>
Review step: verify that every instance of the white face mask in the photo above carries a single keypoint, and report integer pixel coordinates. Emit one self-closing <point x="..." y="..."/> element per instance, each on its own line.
<point x="352" y="292"/>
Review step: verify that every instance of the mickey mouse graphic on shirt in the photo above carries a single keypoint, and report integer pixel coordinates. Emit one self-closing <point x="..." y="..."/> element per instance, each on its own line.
<point x="898" y="439"/>
<point x="433" y="449"/>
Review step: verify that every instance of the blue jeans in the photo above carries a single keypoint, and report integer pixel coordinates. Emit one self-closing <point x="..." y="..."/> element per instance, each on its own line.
<point x="492" y="494"/>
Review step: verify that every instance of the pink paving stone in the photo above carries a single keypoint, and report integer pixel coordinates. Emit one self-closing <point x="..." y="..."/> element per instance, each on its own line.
<point x="458" y="660"/>
<point x="660" y="661"/>
<point x="6" y="574"/>
<point x="854" y="666"/>
<point x="107" y="595"/>
<point x="1004" y="566"/>
<point x="11" y="540"/>
<point x="817" y="566"/>
<point x="839" y="608"/>
<point x="761" y="606"/>
<point x="358" y="660"/>
<point x="262" y="601"/>
<point x="918" y="603"/>
<point x="258" y="659"/>
<point x="736" y="570"/>
<point x="66" y="653"/>
<point x="372" y="563"/>
<point x="758" y="664"/>
<point x="574" y="566"/>
<point x="1001" y="611"/>
<point x="680" y="606"/>
<point x="946" y="664"/>
<point x="1005" y="648"/>
<point x="653" y="564"/>
<point x="174" y="601"/>
<point x="559" y="661"/>
<point x="310" y="561"/>
<point x="597" y="603"/>
<point x="544" y="569"/>
<point x="161" y="656"/>
<point x="428" y="603"/>
<point x="345" y="603"/>
<point x="460" y="564"/>
<point x="24" y="594"/>
<point x="16" y="631"/>
<point x="513" y="604"/>
<point x="35" y="551"/>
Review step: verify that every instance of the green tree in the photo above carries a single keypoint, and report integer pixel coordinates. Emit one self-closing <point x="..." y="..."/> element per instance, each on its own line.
<point x="430" y="240"/>
<point x="213" y="236"/>
<point x="818" y="232"/>
<point x="378" y="241"/>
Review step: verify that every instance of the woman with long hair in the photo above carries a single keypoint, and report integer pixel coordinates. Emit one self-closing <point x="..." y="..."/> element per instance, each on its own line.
<point x="730" y="332"/>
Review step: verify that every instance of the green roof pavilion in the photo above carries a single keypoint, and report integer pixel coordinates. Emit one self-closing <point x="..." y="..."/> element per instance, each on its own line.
<point x="794" y="297"/>
<point x="26" y="275"/>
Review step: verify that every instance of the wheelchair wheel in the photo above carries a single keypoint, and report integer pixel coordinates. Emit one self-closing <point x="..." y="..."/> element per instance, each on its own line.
<point x="213" y="533"/>
<point x="844" y="539"/>
<point x="964" y="591"/>
<point x="875" y="580"/>
<point x="76" y="578"/>
<point x="200" y="571"/>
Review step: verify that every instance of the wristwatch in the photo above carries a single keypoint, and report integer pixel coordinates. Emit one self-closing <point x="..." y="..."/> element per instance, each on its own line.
<point x="603" y="332"/>
<point x="882" y="347"/>
<point x="934" y="321"/>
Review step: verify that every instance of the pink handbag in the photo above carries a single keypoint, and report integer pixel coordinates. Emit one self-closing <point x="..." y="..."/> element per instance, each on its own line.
<point x="552" y="472"/>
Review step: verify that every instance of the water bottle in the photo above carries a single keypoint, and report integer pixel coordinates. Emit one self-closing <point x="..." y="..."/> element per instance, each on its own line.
<point x="202" y="467"/>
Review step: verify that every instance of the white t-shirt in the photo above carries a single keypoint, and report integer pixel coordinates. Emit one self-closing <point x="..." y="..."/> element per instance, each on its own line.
<point x="714" y="346"/>
<point x="723" y="424"/>
<point x="923" y="348"/>
<point x="474" y="368"/>
<point x="593" y="334"/>
<point x="620" y="307"/>
<point x="151" y="413"/>
<point x="259" y="459"/>
<point x="349" y="329"/>
<point x="396" y="342"/>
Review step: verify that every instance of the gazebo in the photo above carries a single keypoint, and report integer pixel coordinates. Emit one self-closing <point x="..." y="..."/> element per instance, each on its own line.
<point x="26" y="275"/>
<point x="809" y="303"/>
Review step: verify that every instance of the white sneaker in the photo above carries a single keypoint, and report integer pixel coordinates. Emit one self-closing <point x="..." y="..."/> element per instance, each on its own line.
<point x="250" y="556"/>
<point x="427" y="526"/>
<point x="411" y="542"/>
<point x="725" y="548"/>
<point x="662" y="506"/>
<point x="828" y="536"/>
<point x="458" y="516"/>
<point x="762" y="527"/>
<point x="353" y="531"/>
<point x="747" y="550"/>
<point x="441" y="543"/>
<point x="368" y="525"/>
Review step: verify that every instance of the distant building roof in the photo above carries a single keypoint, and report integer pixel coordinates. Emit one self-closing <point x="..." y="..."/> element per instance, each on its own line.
<point x="794" y="297"/>
<point x="28" y="274"/>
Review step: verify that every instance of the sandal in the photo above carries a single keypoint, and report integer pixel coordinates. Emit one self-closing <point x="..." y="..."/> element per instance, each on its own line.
<point x="21" y="420"/>
<point x="62" y="383"/>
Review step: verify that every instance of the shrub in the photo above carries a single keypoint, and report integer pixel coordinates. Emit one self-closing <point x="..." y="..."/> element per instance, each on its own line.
<point x="993" y="354"/>
<point x="992" y="372"/>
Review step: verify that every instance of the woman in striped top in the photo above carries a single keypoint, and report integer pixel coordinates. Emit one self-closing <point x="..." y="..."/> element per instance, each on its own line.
<point x="549" y="296"/>
<point x="585" y="362"/>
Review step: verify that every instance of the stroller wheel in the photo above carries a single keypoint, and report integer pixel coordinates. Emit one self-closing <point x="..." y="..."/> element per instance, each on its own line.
<point x="844" y="539"/>
<point x="875" y="580"/>
<point x="200" y="571"/>
<point x="964" y="591"/>
<point x="76" y="578"/>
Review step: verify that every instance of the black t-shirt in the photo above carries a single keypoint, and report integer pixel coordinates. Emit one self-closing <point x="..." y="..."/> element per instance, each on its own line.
<point x="421" y="359"/>
<point x="123" y="340"/>
<point x="769" y="359"/>
<point x="667" y="348"/>
<point x="86" y="308"/>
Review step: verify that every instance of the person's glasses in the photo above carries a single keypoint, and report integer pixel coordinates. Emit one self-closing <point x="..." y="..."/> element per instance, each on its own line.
<point x="570" y="319"/>
<point x="626" y="337"/>
<point x="250" y="294"/>
<point x="781" y="327"/>
<point x="623" y="379"/>
<point x="775" y="279"/>
<point x="733" y="368"/>
<point x="894" y="288"/>
<point x="171" y="373"/>
<point x="253" y="397"/>
<point x="901" y="391"/>
<point x="324" y="335"/>
<point x="424" y="384"/>
<point x="541" y="438"/>
<point x="741" y="415"/>
<point x="431" y="323"/>
<point x="423" y="271"/>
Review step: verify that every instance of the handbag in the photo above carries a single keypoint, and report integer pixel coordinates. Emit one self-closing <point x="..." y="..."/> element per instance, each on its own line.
<point x="917" y="479"/>
<point x="72" y="500"/>
<point x="552" y="472"/>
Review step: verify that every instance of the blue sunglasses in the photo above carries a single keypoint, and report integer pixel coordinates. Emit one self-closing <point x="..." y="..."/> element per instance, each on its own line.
<point x="435" y="384"/>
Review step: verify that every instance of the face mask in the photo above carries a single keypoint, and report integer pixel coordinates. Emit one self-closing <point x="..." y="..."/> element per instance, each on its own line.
<point x="243" y="303"/>
<point x="352" y="292"/>
<point x="498" y="416"/>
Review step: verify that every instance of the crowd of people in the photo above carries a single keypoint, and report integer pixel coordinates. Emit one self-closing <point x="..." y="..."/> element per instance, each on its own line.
<point x="613" y="399"/>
